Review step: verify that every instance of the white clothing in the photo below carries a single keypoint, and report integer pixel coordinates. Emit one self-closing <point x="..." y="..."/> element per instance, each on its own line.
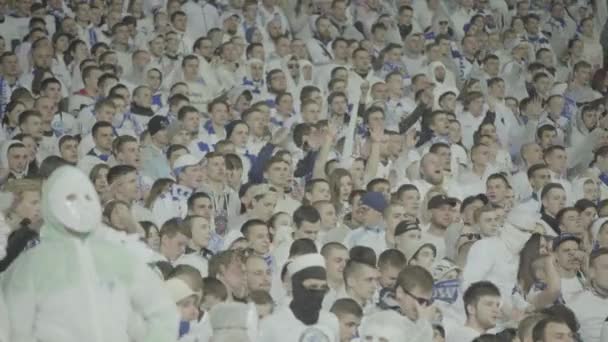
<point x="375" y="240"/>
<point x="570" y="288"/>
<point x="437" y="241"/>
<point x="287" y="205"/>
<point x="283" y="326"/>
<point x="490" y="259"/>
<point x="591" y="312"/>
<point x="193" y="259"/>
<point x="461" y="334"/>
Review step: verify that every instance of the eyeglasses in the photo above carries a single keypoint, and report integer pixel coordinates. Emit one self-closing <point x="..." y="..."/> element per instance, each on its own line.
<point x="471" y="236"/>
<point x="292" y="66"/>
<point x="443" y="23"/>
<point x="420" y="300"/>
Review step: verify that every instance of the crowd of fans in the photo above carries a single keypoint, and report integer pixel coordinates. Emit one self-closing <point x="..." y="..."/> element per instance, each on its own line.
<point x="303" y="170"/>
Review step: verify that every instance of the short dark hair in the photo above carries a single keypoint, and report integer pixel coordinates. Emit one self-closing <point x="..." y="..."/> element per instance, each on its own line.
<point x="413" y="276"/>
<point x="305" y="213"/>
<point x="214" y="287"/>
<point x="391" y="257"/>
<point x="118" y="171"/>
<point x="346" y="306"/>
<point x="246" y="227"/>
<point x="99" y="125"/>
<point x="538" y="332"/>
<point x="477" y="290"/>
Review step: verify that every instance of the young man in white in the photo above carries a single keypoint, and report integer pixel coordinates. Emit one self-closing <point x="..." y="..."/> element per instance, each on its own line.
<point x="482" y="307"/>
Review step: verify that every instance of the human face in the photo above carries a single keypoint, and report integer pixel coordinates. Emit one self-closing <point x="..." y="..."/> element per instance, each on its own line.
<point x="69" y="151"/>
<point x="101" y="182"/>
<point x="278" y="82"/>
<point x="191" y="177"/>
<point x="105" y="114"/>
<point x="554" y="201"/>
<point x="567" y="256"/>
<point x="455" y="132"/>
<point x="153" y="79"/>
<point x="587" y="216"/>
<point x="489" y="223"/>
<point x="235" y="277"/>
<point x="259" y="275"/>
<point x="33" y="127"/>
<point x="127" y="186"/>
<point x="129" y="154"/>
<point x="540" y="178"/>
<point x="219" y="114"/>
<point x="357" y="172"/>
<point x="278" y="174"/>
<point x="496" y="190"/>
<point x="388" y="276"/>
<point x="256" y="124"/>
<point x="216" y="169"/>
<point x="29" y="206"/>
<point x="599" y="272"/>
<point x="590" y="119"/>
<point x="191" y="121"/>
<point x="202" y="207"/>
<point x="408" y="302"/>
<point x="335" y="263"/>
<point x="402" y="241"/>
<point x="259" y="239"/>
<point x="349" y="324"/>
<point x="364" y="283"/>
<point x="432" y="169"/>
<point x="570" y="221"/>
<point x="486" y="311"/>
<point x="558" y="332"/>
<point x="311" y="113"/>
<point x="346" y="187"/>
<point x="442" y="216"/>
<point x="153" y="239"/>
<point x="425" y="257"/>
<point x="201" y="232"/>
<point x="191" y="69"/>
<point x="17" y="159"/>
<point x="320" y="192"/>
<point x="103" y="139"/>
<point x="264" y="207"/>
<point x="328" y="215"/>
<point x="173" y="247"/>
<point x="308" y="230"/>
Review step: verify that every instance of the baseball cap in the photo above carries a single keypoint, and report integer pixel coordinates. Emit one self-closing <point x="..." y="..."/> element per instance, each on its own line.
<point x="563" y="237"/>
<point x="404" y="227"/>
<point x="185" y="161"/>
<point x="157" y="123"/>
<point x="441" y="200"/>
<point x="374" y="200"/>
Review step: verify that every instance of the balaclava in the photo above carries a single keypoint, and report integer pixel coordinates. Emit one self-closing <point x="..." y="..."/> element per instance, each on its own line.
<point x="306" y="303"/>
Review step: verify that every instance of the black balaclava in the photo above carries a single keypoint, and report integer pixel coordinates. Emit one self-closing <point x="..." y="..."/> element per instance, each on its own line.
<point x="306" y="304"/>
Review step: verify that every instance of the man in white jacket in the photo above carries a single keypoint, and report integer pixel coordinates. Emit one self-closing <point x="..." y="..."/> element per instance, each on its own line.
<point x="75" y="286"/>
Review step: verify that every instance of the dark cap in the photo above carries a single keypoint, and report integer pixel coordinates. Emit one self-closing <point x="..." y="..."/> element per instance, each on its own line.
<point x="563" y="237"/>
<point x="157" y="123"/>
<point x="404" y="227"/>
<point x="441" y="200"/>
<point x="374" y="200"/>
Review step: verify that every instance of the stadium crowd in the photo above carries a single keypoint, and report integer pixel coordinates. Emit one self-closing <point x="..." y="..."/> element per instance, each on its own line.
<point x="303" y="170"/>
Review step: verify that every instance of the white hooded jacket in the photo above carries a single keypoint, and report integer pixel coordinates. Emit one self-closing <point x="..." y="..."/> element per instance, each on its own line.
<point x="75" y="286"/>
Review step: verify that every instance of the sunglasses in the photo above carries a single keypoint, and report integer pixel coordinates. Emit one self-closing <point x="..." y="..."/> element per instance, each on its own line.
<point x="471" y="236"/>
<point x="292" y="66"/>
<point x="420" y="300"/>
<point x="443" y="23"/>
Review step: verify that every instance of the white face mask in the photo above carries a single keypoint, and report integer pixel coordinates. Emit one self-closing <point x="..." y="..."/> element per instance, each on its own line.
<point x="74" y="203"/>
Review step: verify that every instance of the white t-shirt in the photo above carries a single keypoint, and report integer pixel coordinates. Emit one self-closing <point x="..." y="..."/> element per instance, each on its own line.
<point x="591" y="312"/>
